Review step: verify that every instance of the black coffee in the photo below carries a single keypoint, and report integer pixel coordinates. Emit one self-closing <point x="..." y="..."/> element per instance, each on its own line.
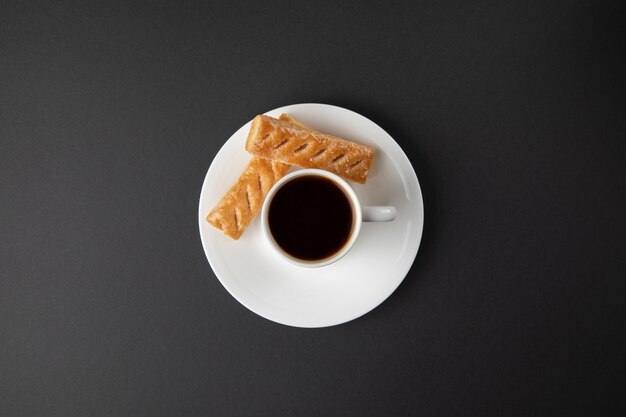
<point x="310" y="218"/>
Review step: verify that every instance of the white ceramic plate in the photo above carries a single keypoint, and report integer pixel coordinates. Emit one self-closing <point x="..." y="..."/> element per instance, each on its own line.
<point x="347" y="289"/>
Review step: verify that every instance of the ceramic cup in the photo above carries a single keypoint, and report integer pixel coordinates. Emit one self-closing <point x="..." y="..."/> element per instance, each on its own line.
<point x="360" y="214"/>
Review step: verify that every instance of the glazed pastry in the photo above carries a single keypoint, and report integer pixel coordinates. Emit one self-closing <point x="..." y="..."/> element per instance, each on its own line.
<point x="240" y="205"/>
<point x="232" y="216"/>
<point x="290" y="143"/>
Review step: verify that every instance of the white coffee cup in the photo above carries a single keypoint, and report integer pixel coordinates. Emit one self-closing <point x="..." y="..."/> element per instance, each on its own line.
<point x="359" y="215"/>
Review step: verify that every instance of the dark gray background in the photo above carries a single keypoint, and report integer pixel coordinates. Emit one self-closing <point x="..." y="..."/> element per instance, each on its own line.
<point x="512" y="113"/>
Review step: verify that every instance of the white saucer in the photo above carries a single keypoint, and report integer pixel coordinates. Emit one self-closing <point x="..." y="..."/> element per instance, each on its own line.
<point x="347" y="289"/>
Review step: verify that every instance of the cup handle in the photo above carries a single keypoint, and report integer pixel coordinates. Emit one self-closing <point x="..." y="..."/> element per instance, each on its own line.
<point x="379" y="214"/>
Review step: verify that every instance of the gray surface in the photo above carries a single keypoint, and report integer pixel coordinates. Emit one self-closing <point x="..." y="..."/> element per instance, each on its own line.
<point x="512" y="115"/>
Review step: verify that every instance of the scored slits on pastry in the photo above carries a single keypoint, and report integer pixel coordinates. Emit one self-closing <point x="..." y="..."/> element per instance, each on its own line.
<point x="243" y="201"/>
<point x="284" y="141"/>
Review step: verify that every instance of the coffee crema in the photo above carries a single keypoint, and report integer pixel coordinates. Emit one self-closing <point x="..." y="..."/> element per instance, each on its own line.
<point x="311" y="218"/>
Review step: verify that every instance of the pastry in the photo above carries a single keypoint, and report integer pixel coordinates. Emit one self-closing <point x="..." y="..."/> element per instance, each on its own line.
<point x="294" y="144"/>
<point x="240" y="205"/>
<point x="232" y="215"/>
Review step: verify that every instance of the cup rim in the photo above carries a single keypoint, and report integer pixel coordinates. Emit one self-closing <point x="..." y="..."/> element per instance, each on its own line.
<point x="354" y="201"/>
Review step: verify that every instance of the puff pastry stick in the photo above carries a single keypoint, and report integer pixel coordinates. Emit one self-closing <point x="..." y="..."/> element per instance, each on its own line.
<point x="240" y="205"/>
<point x="256" y="181"/>
<point x="283" y="141"/>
